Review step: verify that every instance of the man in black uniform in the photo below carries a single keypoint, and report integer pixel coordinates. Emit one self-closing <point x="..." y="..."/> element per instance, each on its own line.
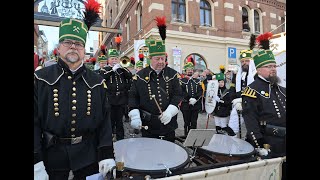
<point x="102" y="60"/>
<point x="72" y="128"/>
<point x="118" y="83"/>
<point x="191" y="103"/>
<point x="264" y="106"/>
<point x="155" y="94"/>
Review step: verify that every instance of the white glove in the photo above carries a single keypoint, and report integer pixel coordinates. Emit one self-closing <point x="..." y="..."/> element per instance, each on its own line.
<point x="106" y="165"/>
<point x="40" y="172"/>
<point x="115" y="67"/>
<point x="237" y="103"/>
<point x="166" y="116"/>
<point x="218" y="99"/>
<point x="262" y="151"/>
<point x="192" y="101"/>
<point x="134" y="115"/>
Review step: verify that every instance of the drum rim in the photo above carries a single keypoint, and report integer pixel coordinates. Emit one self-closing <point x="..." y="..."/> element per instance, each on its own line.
<point x="233" y="155"/>
<point x="158" y="171"/>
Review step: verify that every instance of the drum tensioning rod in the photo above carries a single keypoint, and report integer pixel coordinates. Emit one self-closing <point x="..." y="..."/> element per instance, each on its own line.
<point x="155" y="100"/>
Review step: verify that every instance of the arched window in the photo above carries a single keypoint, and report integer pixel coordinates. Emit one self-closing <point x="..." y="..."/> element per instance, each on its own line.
<point x="139" y="17"/>
<point x="200" y="65"/>
<point x="178" y="8"/>
<point x="128" y="29"/>
<point x="205" y="13"/>
<point x="245" y="20"/>
<point x="256" y="22"/>
<point x="283" y="28"/>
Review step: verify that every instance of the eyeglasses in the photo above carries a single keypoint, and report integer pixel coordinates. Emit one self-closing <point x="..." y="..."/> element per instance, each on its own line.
<point x="68" y="44"/>
<point x="270" y="66"/>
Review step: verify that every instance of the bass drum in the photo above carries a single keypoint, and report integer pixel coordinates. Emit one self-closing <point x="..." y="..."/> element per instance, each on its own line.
<point x="226" y="148"/>
<point x="150" y="156"/>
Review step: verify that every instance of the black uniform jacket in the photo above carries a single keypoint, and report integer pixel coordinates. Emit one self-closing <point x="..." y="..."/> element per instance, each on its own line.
<point x="118" y="84"/>
<point x="166" y="90"/>
<point x="263" y="104"/>
<point x="67" y="106"/>
<point x="191" y="88"/>
<point x="223" y="109"/>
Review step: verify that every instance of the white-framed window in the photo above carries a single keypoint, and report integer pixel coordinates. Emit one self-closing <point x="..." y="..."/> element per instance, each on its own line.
<point x="128" y="28"/>
<point x="283" y="27"/>
<point x="139" y="17"/>
<point x="205" y="13"/>
<point x="257" y="21"/>
<point x="245" y="20"/>
<point x="178" y="10"/>
<point x="200" y="63"/>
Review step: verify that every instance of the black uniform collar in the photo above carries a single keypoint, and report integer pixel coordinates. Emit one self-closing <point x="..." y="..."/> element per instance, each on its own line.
<point x="53" y="73"/>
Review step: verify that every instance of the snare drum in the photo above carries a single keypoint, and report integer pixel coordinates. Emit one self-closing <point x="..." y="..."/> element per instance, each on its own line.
<point x="150" y="156"/>
<point x="225" y="148"/>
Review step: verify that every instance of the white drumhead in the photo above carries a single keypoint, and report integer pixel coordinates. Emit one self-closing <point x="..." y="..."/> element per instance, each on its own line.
<point x="228" y="145"/>
<point x="149" y="154"/>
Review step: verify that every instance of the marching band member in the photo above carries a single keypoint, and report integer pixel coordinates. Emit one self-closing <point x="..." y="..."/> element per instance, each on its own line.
<point x="264" y="105"/>
<point x="72" y="128"/>
<point x="222" y="110"/>
<point x="118" y="80"/>
<point x="156" y="93"/>
<point x="191" y="103"/>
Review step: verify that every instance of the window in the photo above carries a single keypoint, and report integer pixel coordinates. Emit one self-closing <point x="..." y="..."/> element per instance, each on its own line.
<point x="178" y="10"/>
<point x="283" y="24"/>
<point x="139" y="17"/>
<point x="117" y="6"/>
<point x="205" y="13"/>
<point x="256" y="22"/>
<point x="245" y="20"/>
<point x="110" y="17"/>
<point x="128" y="29"/>
<point x="200" y="65"/>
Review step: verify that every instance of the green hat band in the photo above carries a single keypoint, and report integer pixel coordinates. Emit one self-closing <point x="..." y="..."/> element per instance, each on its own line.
<point x="139" y="64"/>
<point x="189" y="65"/>
<point x="73" y="29"/>
<point x="156" y="47"/>
<point x="102" y="58"/>
<point x="220" y="76"/>
<point x="263" y="57"/>
<point x="245" y="54"/>
<point x="113" y="53"/>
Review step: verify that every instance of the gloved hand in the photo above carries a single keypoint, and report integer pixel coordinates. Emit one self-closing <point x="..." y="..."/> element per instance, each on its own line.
<point x="105" y="166"/>
<point x="237" y="103"/>
<point x="192" y="101"/>
<point x="218" y="99"/>
<point x="115" y="67"/>
<point x="134" y="115"/>
<point x="262" y="151"/>
<point x="40" y="172"/>
<point x="166" y="116"/>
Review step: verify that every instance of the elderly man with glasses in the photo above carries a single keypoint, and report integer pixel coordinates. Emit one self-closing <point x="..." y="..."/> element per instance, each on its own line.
<point x="72" y="127"/>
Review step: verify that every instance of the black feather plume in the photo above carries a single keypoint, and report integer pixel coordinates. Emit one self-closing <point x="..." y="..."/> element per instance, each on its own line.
<point x="252" y="41"/>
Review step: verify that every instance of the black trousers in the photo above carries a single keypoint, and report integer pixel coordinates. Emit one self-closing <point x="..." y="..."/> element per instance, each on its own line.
<point x="169" y="136"/>
<point x="190" y="118"/>
<point x="80" y="174"/>
<point x="116" y="120"/>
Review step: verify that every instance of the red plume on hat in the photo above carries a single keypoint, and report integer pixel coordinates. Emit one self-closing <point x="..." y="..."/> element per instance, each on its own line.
<point x="118" y="41"/>
<point x="91" y="13"/>
<point x="141" y="56"/>
<point x="161" y="23"/>
<point x="190" y="59"/>
<point x="103" y="49"/>
<point x="55" y="52"/>
<point x="132" y="61"/>
<point x="263" y="40"/>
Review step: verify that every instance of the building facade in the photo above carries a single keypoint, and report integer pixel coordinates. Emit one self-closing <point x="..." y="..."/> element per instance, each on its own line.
<point x="212" y="31"/>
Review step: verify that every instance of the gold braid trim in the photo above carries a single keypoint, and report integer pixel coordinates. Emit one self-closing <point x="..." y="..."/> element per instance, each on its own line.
<point x="249" y="92"/>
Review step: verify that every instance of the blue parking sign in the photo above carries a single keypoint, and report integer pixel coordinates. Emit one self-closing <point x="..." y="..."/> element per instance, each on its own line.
<point x="232" y="52"/>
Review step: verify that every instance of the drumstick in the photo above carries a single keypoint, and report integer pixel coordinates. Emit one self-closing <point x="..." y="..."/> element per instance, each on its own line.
<point x="155" y="100"/>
